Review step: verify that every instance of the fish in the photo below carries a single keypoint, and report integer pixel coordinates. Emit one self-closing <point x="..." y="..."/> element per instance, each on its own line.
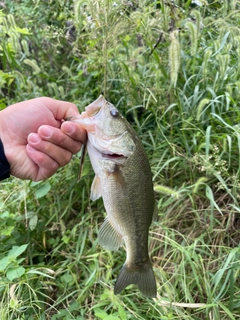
<point x="124" y="181"/>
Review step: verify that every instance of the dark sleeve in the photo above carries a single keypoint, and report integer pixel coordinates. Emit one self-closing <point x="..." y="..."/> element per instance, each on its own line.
<point x="4" y="165"/>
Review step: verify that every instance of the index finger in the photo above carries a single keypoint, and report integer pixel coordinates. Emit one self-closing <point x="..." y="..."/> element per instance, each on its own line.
<point x="60" y="109"/>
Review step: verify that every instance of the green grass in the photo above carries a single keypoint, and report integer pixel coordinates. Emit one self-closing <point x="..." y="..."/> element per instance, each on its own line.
<point x="172" y="68"/>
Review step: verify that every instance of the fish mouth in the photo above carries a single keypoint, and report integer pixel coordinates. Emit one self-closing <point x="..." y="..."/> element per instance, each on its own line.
<point x="111" y="156"/>
<point x="108" y="155"/>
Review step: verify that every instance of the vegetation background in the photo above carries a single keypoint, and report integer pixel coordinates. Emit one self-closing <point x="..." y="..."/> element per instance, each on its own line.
<point x="173" y="69"/>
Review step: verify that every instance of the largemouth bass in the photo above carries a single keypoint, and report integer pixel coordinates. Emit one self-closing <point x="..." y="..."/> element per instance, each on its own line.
<point x="123" y="179"/>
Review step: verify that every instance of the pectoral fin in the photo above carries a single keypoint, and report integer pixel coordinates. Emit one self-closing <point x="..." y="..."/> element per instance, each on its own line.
<point x="96" y="190"/>
<point x="109" y="238"/>
<point x="118" y="177"/>
<point x="116" y="173"/>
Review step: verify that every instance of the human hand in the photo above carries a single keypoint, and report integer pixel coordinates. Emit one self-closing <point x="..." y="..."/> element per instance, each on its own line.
<point x="36" y="141"/>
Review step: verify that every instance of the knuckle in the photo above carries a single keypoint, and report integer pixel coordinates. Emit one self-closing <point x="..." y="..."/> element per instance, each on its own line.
<point x="62" y="140"/>
<point x="66" y="159"/>
<point x="76" y="147"/>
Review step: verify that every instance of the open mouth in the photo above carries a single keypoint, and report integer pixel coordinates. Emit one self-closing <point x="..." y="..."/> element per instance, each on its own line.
<point x="106" y="154"/>
<point x="113" y="156"/>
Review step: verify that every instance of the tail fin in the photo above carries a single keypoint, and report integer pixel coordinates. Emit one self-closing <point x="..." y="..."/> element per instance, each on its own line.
<point x="144" y="279"/>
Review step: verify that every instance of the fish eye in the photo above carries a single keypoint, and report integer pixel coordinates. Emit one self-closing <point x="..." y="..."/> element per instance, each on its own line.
<point x="114" y="113"/>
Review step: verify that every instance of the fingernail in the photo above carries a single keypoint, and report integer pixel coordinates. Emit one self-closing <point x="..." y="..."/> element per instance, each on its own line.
<point x="34" y="138"/>
<point x="29" y="148"/>
<point x="68" y="128"/>
<point x="46" y="132"/>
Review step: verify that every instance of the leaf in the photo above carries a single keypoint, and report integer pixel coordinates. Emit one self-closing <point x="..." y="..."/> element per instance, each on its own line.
<point x="33" y="222"/>
<point x="17" y="251"/>
<point x="66" y="239"/>
<point x="85" y="169"/>
<point x="227" y="311"/>
<point x="127" y="38"/>
<point x="67" y="278"/>
<point x="15" y="273"/>
<point x="43" y="190"/>
<point x="34" y="271"/>
<point x="22" y="31"/>
<point x="122" y="313"/>
<point x="100" y="314"/>
<point x="7" y="231"/>
<point x="4" y="263"/>
<point x="210" y="196"/>
<point x="227" y="264"/>
<point x="111" y="317"/>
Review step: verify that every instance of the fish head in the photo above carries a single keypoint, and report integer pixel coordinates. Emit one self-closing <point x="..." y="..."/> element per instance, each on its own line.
<point x="108" y="131"/>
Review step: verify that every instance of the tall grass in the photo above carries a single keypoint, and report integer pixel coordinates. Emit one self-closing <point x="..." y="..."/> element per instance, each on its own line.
<point x="172" y="67"/>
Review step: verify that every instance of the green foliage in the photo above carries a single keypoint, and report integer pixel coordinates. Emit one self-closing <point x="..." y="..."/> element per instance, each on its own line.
<point x="172" y="67"/>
